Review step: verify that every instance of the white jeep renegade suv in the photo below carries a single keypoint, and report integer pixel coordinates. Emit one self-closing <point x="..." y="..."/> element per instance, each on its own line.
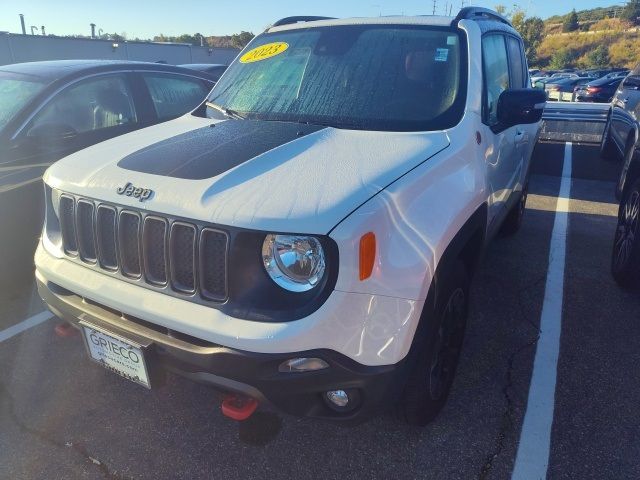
<point x="307" y="236"/>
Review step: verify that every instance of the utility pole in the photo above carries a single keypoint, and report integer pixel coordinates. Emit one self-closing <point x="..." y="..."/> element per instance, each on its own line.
<point x="24" y="29"/>
<point x="434" y="7"/>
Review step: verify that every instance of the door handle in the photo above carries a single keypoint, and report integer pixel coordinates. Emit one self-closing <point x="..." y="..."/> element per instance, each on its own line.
<point x="625" y="100"/>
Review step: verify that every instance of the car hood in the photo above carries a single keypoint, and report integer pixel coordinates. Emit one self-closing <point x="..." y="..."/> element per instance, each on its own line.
<point x="275" y="176"/>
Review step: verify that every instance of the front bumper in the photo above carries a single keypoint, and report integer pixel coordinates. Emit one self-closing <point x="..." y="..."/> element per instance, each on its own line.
<point x="252" y="374"/>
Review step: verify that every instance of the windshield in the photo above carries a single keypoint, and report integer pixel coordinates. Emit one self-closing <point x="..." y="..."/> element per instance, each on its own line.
<point x="373" y="77"/>
<point x="15" y="93"/>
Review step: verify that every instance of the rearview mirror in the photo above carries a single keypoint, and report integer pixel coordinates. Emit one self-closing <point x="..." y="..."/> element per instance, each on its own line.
<point x="520" y="107"/>
<point x="52" y="131"/>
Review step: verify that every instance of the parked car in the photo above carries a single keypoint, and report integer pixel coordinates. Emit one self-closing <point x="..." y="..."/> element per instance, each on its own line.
<point x="601" y="90"/>
<point x="563" y="89"/>
<point x="308" y="236"/>
<point x="553" y="78"/>
<point x="52" y="109"/>
<point x="618" y="74"/>
<point x="625" y="256"/>
<point x="621" y="128"/>
<point x="214" y="69"/>
<point x="541" y="75"/>
<point x="620" y="140"/>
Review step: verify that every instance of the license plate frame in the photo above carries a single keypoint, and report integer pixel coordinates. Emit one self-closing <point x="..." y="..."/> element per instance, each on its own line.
<point x="110" y="356"/>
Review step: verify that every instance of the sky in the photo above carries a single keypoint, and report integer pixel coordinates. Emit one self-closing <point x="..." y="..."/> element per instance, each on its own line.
<point x="147" y="18"/>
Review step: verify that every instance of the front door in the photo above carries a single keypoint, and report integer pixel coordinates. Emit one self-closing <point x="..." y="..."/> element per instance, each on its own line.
<point x="503" y="146"/>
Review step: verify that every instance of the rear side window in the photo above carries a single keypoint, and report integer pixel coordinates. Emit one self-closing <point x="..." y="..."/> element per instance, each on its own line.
<point x="93" y="104"/>
<point x="174" y="96"/>
<point x="496" y="75"/>
<point x="518" y="77"/>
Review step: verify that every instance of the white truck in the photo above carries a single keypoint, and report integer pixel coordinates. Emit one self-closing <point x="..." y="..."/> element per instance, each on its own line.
<point x="307" y="236"/>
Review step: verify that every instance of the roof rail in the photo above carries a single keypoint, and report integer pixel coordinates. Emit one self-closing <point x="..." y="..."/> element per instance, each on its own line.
<point x="479" y="13"/>
<point x="291" y="20"/>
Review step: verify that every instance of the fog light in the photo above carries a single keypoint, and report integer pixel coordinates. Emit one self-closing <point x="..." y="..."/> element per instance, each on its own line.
<point x="302" y="365"/>
<point x="338" y="398"/>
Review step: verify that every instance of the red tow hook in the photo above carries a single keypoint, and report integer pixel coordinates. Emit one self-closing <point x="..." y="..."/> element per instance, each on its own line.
<point x="65" y="330"/>
<point x="238" y="407"/>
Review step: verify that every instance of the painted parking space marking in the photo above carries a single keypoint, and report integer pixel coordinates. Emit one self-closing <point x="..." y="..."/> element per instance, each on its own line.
<point x="532" y="459"/>
<point x="30" y="322"/>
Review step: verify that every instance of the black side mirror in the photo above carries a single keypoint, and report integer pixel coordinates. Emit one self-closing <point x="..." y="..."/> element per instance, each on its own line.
<point x="51" y="131"/>
<point x="520" y="106"/>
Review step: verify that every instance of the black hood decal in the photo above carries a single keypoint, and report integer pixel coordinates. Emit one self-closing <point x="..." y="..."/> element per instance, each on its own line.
<point x="210" y="151"/>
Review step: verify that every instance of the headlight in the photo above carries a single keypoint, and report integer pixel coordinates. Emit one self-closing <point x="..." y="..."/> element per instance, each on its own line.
<point x="295" y="262"/>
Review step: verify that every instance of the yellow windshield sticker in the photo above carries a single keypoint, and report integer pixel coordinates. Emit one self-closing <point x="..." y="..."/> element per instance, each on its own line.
<point x="263" y="52"/>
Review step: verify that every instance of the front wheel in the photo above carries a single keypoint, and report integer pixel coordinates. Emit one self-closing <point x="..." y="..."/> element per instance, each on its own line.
<point x="625" y="258"/>
<point x="432" y="374"/>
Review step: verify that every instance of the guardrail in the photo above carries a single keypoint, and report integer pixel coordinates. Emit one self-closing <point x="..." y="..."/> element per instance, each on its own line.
<point x="574" y="122"/>
<point x="576" y="112"/>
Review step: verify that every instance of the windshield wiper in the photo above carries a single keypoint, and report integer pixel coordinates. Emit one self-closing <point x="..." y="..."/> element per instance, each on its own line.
<point x="226" y="111"/>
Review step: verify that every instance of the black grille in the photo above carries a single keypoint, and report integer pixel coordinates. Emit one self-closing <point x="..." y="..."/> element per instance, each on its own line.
<point x="86" y="231"/>
<point x="161" y="253"/>
<point x="213" y="258"/>
<point x="154" y="241"/>
<point x="183" y="257"/>
<point x="106" y="233"/>
<point x="68" y="225"/>
<point x="129" y="243"/>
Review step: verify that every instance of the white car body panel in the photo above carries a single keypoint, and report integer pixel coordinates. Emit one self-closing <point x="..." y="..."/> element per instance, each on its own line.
<point x="272" y="192"/>
<point x="371" y="329"/>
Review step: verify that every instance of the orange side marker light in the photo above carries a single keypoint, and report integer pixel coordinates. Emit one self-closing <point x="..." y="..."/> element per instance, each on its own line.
<point x="367" y="254"/>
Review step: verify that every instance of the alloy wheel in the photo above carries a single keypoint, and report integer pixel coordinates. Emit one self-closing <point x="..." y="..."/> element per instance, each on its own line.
<point x="627" y="229"/>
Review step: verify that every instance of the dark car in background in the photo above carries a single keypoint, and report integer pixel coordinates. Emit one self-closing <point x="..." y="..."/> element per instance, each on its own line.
<point x="563" y="89"/>
<point x="214" y="69"/>
<point x="620" y="140"/>
<point x="601" y="90"/>
<point x="49" y="110"/>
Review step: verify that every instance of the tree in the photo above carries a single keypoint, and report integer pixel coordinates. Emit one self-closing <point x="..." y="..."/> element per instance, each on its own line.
<point x="501" y="9"/>
<point x="562" y="58"/>
<point x="598" y="57"/>
<point x="631" y="12"/>
<point x="531" y="30"/>
<point x="240" y="40"/>
<point x="570" y="22"/>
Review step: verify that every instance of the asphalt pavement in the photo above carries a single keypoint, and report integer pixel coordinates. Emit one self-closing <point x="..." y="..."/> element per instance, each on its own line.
<point x="62" y="417"/>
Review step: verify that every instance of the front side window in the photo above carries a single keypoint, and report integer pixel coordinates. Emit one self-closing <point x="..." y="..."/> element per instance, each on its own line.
<point x="373" y="77"/>
<point x="518" y="76"/>
<point x="174" y="96"/>
<point x="15" y="92"/>
<point x="496" y="75"/>
<point x="93" y="104"/>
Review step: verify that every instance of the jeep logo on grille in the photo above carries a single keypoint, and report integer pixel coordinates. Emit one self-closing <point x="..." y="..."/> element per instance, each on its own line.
<point x="136" y="192"/>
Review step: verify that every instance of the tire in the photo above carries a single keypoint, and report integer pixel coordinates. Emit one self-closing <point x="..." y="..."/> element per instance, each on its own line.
<point x="433" y="370"/>
<point x="513" y="222"/>
<point x="608" y="150"/>
<point x="625" y="257"/>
